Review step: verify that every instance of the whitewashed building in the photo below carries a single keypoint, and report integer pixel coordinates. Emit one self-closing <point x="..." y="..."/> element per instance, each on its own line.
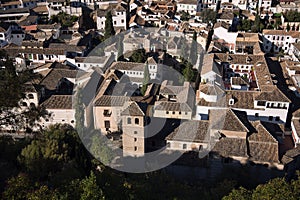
<point x="188" y="6"/>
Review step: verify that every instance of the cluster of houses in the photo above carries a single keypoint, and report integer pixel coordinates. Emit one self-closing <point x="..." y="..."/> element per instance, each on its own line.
<point x="234" y="110"/>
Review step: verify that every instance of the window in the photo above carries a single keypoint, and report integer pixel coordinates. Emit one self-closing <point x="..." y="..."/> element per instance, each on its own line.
<point x="184" y="146"/>
<point x="168" y="145"/>
<point x="32" y="105"/>
<point x="261" y="103"/>
<point x="256" y="115"/>
<point x="135" y="132"/>
<point x="72" y="121"/>
<point x="128" y="120"/>
<point x="135" y="139"/>
<point x="179" y="113"/>
<point x="115" y="22"/>
<point x="167" y="112"/>
<point x="24" y="104"/>
<point x="30" y="96"/>
<point x="270" y="118"/>
<point x="277" y="118"/>
<point x="173" y="112"/>
<point x="122" y="21"/>
<point x="136" y="121"/>
<point x="107" y="124"/>
<point x="135" y="148"/>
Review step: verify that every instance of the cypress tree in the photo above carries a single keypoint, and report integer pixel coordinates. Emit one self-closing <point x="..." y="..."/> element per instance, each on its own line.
<point x="109" y="28"/>
<point x="146" y="78"/>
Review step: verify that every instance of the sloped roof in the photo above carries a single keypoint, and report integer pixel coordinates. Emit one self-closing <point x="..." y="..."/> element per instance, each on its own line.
<point x="55" y="75"/>
<point x="133" y="110"/>
<point x="107" y="100"/>
<point x="58" y="102"/>
<point x="273" y="95"/>
<point x="172" y="106"/>
<point x="228" y="147"/>
<point x="191" y="131"/>
<point x="229" y="120"/>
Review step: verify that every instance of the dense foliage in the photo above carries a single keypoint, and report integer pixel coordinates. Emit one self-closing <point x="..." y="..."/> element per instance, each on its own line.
<point x="275" y="189"/>
<point x="64" y="19"/>
<point x="208" y="16"/>
<point x="292" y="16"/>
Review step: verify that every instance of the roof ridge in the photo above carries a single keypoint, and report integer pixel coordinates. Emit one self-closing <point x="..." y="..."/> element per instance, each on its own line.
<point x="260" y="124"/>
<point x="239" y="119"/>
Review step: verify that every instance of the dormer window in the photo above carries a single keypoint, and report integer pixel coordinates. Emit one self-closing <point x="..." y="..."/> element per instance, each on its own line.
<point x="231" y="101"/>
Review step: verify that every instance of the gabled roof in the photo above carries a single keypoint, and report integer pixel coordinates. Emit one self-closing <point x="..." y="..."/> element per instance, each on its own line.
<point x="262" y="134"/>
<point x="133" y="110"/>
<point x="229" y="120"/>
<point x="55" y="75"/>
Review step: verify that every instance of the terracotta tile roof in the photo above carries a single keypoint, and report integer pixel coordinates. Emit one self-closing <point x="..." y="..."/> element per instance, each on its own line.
<point x="127" y="66"/>
<point x="262" y="134"/>
<point x="291" y="155"/>
<point x="133" y="110"/>
<point x="296" y="123"/>
<point x="222" y="24"/>
<point x="229" y="120"/>
<point x="40" y="9"/>
<point x="58" y="102"/>
<point x="211" y="89"/>
<point x="55" y="75"/>
<point x="172" y="106"/>
<point x="264" y="152"/>
<point x="193" y="2"/>
<point x="228" y="147"/>
<point x="191" y="131"/>
<point x="294" y="34"/>
<point x="226" y="15"/>
<point x="272" y="95"/>
<point x="107" y="100"/>
<point x="239" y="58"/>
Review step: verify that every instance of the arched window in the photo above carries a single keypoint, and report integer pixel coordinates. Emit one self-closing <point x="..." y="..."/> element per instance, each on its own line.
<point x="136" y="121"/>
<point x="24" y="104"/>
<point x="128" y="120"/>
<point x="30" y="96"/>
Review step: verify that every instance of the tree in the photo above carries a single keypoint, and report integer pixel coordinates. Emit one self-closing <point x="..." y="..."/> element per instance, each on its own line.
<point x="245" y="25"/>
<point x="138" y="56"/>
<point x="54" y="149"/>
<point x="188" y="72"/>
<point x="208" y="16"/>
<point x="146" y="78"/>
<point x="64" y="19"/>
<point x="13" y="88"/>
<point x="17" y="187"/>
<point x="239" y="194"/>
<point x="90" y="189"/>
<point x="79" y="112"/>
<point x="109" y="27"/>
<point x="185" y="16"/>
<point x="194" y="50"/>
<point x="120" y="48"/>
